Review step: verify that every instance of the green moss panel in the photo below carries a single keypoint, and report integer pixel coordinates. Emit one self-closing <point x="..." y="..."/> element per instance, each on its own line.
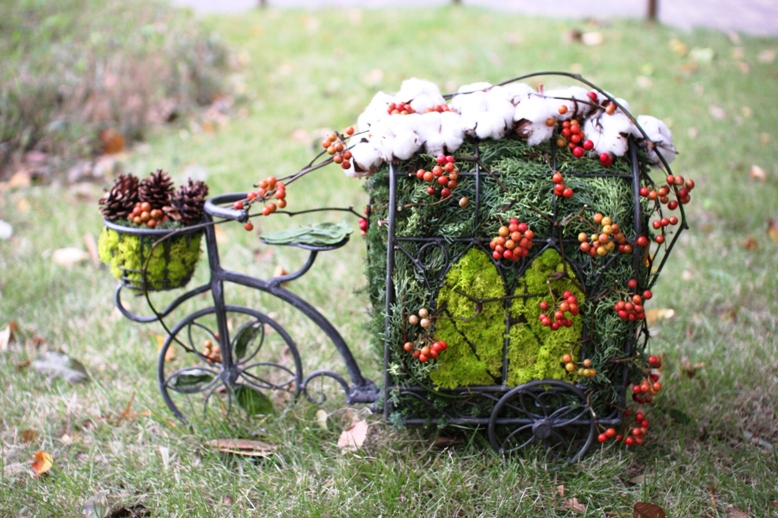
<point x="535" y="351"/>
<point x="475" y="336"/>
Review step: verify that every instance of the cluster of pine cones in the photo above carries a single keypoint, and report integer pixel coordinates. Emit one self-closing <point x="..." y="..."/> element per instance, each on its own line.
<point x="153" y="200"/>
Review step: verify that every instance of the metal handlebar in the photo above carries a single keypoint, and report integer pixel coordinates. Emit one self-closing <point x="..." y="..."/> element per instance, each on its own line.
<point x="213" y="208"/>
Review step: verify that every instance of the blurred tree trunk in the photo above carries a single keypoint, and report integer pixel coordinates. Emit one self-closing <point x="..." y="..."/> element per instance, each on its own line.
<point x="652" y="8"/>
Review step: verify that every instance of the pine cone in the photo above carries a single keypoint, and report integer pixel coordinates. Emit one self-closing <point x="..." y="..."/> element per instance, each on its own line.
<point x="156" y="189"/>
<point x="120" y="200"/>
<point x="187" y="203"/>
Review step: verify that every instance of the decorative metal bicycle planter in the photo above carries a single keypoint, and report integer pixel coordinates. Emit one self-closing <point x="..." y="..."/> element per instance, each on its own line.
<point x="507" y="277"/>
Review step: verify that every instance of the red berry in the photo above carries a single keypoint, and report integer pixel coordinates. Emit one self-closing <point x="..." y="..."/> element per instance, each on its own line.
<point x="602" y="437"/>
<point x="249" y="226"/>
<point x="588" y="145"/>
<point x="578" y="151"/>
<point x="642" y="241"/>
<point x="557" y="178"/>
<point x="568" y="193"/>
<point x="605" y="159"/>
<point x="238" y="205"/>
<point x="441" y="159"/>
<point x="592" y="96"/>
<point x="632" y="284"/>
<point x="644" y="191"/>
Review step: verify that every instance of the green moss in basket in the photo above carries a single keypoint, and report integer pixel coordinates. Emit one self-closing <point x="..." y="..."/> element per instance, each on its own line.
<point x="534" y="350"/>
<point x="126" y="255"/>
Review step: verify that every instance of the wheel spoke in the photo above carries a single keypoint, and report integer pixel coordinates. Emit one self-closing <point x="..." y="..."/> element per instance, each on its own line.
<point x="513" y="434"/>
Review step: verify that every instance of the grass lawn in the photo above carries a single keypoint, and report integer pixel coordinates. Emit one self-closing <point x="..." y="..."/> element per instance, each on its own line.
<point x="713" y="444"/>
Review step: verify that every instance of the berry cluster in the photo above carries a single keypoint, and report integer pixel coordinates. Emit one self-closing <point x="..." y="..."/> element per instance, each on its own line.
<point x="512" y="242"/>
<point x="683" y="189"/>
<point x="445" y="174"/>
<point x="426" y="352"/>
<point x="212" y="352"/>
<point x="267" y="189"/>
<point x="400" y="108"/>
<point x="440" y="108"/>
<point x="645" y="391"/>
<point x="142" y="213"/>
<point x="609" y="238"/>
<point x="610" y="433"/>
<point x="335" y="145"/>
<point x="637" y="434"/>
<point x="567" y="304"/>
<point x="572" y="136"/>
<point x="631" y="309"/>
<point x="560" y="189"/>
<point x="423" y="318"/>
<point x="584" y="368"/>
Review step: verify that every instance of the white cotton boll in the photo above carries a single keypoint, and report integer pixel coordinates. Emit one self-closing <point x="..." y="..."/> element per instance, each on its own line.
<point x="435" y="144"/>
<point x="410" y="122"/>
<point x="660" y="134"/>
<point x="375" y="111"/>
<point x="624" y="104"/>
<point x="475" y="101"/>
<point x="497" y="102"/>
<point x="517" y="92"/>
<point x="365" y="157"/>
<point x="474" y="87"/>
<point x="412" y="88"/>
<point x="531" y="115"/>
<point x="406" y="143"/>
<point x="490" y="125"/>
<point x="382" y="128"/>
<point x="429" y="125"/>
<point x="384" y="145"/>
<point x="451" y="130"/>
<point x="609" y="133"/>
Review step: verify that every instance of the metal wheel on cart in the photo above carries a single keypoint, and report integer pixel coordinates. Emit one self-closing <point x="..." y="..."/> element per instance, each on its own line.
<point x="549" y="414"/>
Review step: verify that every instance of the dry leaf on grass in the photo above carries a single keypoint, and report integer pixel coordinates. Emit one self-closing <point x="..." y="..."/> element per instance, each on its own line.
<point x="574" y="505"/>
<point x="69" y="256"/>
<point x="321" y="419"/>
<point x="734" y="512"/>
<point x="6" y="230"/>
<point x="353" y="437"/>
<point x="772" y="229"/>
<point x="656" y="315"/>
<point x="756" y="173"/>
<point x="19" y="180"/>
<point x="41" y="463"/>
<point x="55" y="363"/>
<point x="7" y="335"/>
<point x="244" y="447"/>
<point x="112" y="141"/>
<point x="717" y="112"/>
<point x="646" y="510"/>
<point x="445" y="442"/>
<point x="28" y="436"/>
<point x="592" y="39"/>
<point x="751" y="244"/>
<point x="97" y="506"/>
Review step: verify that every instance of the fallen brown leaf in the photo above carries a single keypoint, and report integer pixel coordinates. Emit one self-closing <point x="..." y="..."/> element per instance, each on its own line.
<point x="244" y="447"/>
<point x="7" y="336"/>
<point x="717" y="112"/>
<point x="19" y="180"/>
<point x="353" y="437"/>
<point x="751" y="244"/>
<point x="656" y="315"/>
<point x="28" y="436"/>
<point x="560" y="490"/>
<point x="646" y="510"/>
<point x="734" y="512"/>
<point x="689" y="369"/>
<point x="445" y="442"/>
<point x="69" y="256"/>
<point x="41" y="463"/>
<point x="772" y="229"/>
<point x="112" y="141"/>
<point x="757" y="173"/>
<point x="23" y="365"/>
<point x="766" y="56"/>
<point x="574" y="505"/>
